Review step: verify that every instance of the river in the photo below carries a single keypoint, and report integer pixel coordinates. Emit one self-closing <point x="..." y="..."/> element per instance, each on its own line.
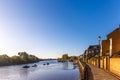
<point x="54" y="71"/>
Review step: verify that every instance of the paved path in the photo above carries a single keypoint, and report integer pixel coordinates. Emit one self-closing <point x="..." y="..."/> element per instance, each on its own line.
<point x="99" y="74"/>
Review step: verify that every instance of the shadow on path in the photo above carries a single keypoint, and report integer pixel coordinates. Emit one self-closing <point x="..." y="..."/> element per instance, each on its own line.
<point x="88" y="73"/>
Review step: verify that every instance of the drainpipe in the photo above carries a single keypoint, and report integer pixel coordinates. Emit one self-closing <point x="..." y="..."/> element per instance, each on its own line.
<point x="110" y="46"/>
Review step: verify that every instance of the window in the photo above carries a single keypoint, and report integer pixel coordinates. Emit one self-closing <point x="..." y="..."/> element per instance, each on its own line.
<point x="92" y="51"/>
<point x="97" y="51"/>
<point x="89" y="51"/>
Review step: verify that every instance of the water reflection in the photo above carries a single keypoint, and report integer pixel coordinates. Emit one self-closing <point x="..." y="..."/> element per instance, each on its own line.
<point x="54" y="71"/>
<point x="65" y="65"/>
<point x="24" y="73"/>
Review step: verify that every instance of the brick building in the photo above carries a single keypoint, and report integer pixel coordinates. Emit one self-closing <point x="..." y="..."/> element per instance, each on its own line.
<point x="112" y="44"/>
<point x="92" y="51"/>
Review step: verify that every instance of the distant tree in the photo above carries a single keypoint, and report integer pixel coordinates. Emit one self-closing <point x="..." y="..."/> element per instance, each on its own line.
<point x="16" y="60"/>
<point x="5" y="60"/>
<point x="26" y="58"/>
<point x="72" y="58"/>
<point x="33" y="58"/>
<point x="59" y="59"/>
<point x="23" y="57"/>
<point x="65" y="57"/>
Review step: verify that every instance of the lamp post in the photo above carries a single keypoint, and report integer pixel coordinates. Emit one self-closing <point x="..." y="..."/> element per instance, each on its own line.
<point x="87" y="56"/>
<point x="99" y="38"/>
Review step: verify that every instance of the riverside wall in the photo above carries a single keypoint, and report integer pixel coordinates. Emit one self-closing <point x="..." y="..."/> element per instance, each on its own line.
<point x="81" y="69"/>
<point x="85" y="71"/>
<point x="111" y="65"/>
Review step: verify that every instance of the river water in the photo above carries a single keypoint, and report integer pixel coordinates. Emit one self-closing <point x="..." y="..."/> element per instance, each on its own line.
<point x="54" y="71"/>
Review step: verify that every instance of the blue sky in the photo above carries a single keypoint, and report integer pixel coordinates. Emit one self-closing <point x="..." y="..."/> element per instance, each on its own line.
<point x="50" y="28"/>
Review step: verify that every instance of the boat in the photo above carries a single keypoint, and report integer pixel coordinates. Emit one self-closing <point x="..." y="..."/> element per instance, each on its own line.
<point x="44" y="64"/>
<point x="26" y="66"/>
<point x="34" y="65"/>
<point x="47" y="63"/>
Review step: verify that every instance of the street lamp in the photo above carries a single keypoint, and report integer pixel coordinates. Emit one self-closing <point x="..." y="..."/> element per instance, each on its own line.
<point x="99" y="38"/>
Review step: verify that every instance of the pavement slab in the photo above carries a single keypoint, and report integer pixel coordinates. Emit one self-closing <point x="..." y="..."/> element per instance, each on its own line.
<point x="100" y="74"/>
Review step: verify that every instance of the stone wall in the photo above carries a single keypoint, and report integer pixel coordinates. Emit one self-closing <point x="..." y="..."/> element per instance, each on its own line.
<point x="81" y="69"/>
<point x="108" y="64"/>
<point x="115" y="66"/>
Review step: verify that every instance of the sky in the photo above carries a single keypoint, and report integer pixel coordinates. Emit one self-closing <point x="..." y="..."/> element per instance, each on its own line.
<point x="50" y="28"/>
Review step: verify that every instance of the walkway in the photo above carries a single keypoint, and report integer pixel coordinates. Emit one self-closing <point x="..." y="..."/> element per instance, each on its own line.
<point x="99" y="74"/>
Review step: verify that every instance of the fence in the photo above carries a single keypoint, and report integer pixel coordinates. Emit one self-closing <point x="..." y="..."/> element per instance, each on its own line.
<point x="109" y="64"/>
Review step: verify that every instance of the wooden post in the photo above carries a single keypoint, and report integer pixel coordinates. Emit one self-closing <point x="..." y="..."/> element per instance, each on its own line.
<point x="107" y="63"/>
<point x="103" y="62"/>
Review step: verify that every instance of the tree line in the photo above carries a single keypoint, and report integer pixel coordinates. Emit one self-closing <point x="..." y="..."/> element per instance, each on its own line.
<point x="65" y="57"/>
<point x="21" y="58"/>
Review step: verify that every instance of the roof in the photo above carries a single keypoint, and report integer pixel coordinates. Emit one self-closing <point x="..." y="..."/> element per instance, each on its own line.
<point x="114" y="31"/>
<point x="93" y="46"/>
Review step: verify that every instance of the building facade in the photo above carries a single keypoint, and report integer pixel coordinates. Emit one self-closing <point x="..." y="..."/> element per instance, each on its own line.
<point x="111" y="45"/>
<point x="92" y="50"/>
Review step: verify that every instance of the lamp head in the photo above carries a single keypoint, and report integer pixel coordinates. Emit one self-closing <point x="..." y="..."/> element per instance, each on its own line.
<point x="99" y="38"/>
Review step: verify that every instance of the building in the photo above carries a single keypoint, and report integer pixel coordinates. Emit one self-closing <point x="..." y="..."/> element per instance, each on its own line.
<point x="92" y="51"/>
<point x="105" y="47"/>
<point x="111" y="45"/>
